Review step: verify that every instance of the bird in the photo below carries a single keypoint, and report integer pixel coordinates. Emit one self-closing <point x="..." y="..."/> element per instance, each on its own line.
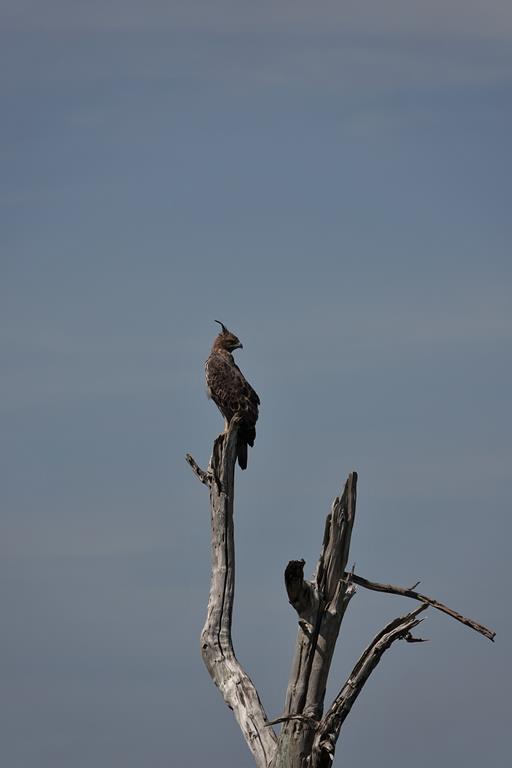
<point x="230" y="391"/>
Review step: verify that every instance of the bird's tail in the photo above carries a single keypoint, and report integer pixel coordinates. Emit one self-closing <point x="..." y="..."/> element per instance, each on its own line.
<point x="242" y="454"/>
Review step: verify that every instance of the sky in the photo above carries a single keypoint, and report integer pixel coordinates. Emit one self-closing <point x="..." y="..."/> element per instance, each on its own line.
<point x="333" y="182"/>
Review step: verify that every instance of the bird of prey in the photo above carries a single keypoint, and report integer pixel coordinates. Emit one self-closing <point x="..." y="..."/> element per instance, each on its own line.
<point x="230" y="391"/>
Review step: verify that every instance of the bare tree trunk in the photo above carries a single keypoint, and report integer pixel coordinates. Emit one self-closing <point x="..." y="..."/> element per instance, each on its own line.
<point x="216" y="645"/>
<point x="319" y="624"/>
<point x="308" y="736"/>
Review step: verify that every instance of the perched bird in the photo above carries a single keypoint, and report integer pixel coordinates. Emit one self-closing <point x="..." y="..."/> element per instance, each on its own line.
<point x="229" y="390"/>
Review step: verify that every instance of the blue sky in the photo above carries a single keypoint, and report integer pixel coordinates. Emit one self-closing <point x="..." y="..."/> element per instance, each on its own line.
<point x="334" y="183"/>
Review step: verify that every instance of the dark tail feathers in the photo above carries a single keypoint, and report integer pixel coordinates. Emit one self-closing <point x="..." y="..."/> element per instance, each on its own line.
<point x="242" y="454"/>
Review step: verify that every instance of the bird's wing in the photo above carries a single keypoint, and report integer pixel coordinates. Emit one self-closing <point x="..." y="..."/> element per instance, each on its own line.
<point x="230" y="390"/>
<point x="248" y="390"/>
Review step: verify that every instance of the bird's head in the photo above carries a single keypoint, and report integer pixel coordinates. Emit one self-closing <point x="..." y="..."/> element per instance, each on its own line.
<point x="226" y="339"/>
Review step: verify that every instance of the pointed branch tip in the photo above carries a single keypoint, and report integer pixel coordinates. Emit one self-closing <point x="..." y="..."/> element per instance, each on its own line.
<point x="196" y="469"/>
<point x="409" y="638"/>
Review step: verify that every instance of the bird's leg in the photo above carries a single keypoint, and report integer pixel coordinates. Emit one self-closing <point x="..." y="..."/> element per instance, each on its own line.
<point x="226" y="425"/>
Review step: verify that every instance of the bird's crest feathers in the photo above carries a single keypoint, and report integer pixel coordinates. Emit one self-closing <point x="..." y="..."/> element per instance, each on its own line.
<point x="226" y="340"/>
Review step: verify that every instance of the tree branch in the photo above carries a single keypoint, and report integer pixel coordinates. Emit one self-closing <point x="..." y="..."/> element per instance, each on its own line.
<point x="328" y="730"/>
<point x="217" y="650"/>
<point x="376" y="587"/>
<point x="196" y="469"/>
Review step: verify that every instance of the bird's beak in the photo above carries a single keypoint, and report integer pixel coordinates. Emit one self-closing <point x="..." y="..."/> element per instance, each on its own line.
<point x="239" y="346"/>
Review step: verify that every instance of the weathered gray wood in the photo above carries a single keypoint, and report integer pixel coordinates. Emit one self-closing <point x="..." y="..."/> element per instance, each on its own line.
<point x="320" y="605"/>
<point x="308" y="737"/>
<point x="217" y="650"/>
<point x="328" y="729"/>
<point x="410" y="592"/>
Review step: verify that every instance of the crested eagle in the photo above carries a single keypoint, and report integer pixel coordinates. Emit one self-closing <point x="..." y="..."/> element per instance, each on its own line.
<point x="230" y="391"/>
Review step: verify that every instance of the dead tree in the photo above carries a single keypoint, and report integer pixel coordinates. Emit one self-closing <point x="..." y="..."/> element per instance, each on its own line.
<point x="308" y="735"/>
